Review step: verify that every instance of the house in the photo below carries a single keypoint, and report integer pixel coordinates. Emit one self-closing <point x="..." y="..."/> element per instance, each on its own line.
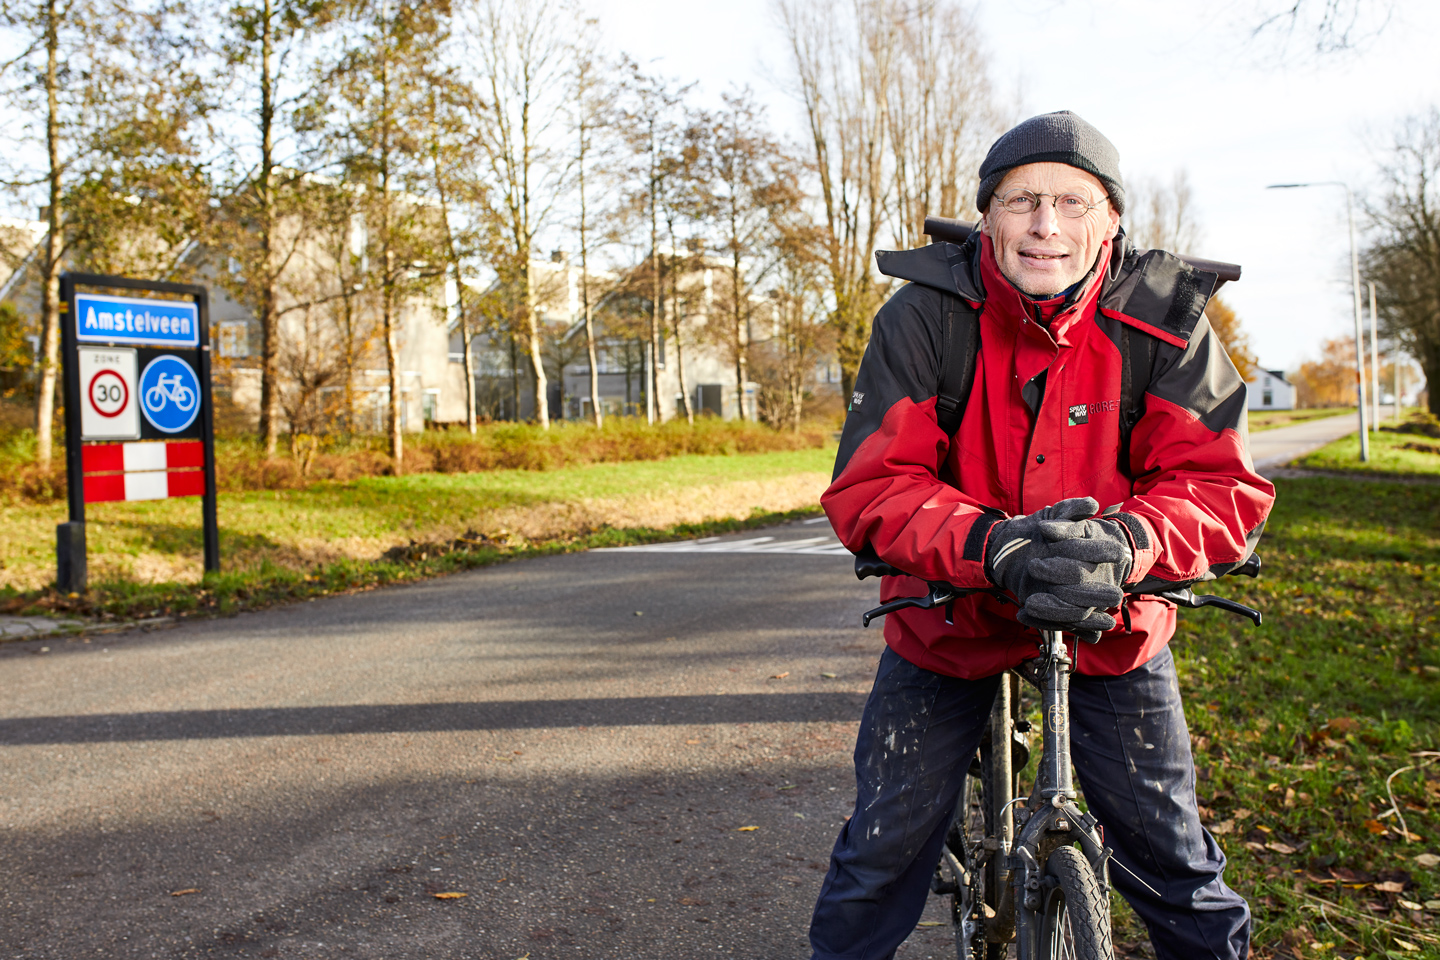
<point x="1269" y="390"/>
<point x="696" y="356"/>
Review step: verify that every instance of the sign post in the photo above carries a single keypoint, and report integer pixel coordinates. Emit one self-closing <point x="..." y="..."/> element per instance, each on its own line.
<point x="138" y="411"/>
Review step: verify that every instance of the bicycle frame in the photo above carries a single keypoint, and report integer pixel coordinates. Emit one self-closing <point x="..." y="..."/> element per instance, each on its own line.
<point x="1049" y="817"/>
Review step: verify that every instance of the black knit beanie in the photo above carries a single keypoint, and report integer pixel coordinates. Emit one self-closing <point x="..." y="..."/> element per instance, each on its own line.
<point x="1060" y="137"/>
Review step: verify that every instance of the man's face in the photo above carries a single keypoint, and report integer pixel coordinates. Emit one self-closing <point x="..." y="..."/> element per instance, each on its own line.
<point x="1043" y="253"/>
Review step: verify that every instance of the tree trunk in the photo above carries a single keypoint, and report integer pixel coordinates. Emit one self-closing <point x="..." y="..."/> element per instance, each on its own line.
<point x="679" y="350"/>
<point x="392" y="364"/>
<point x="657" y="297"/>
<point x="54" y="250"/>
<point x="595" y="413"/>
<point x="537" y="361"/>
<point x="269" y="315"/>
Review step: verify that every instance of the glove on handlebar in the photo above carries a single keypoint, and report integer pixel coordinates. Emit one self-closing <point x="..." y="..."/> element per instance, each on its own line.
<point x="1014" y="543"/>
<point x="1079" y="578"/>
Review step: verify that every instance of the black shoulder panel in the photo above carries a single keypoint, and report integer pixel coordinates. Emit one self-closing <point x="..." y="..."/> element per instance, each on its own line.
<point x="1160" y="289"/>
<point x="943" y="266"/>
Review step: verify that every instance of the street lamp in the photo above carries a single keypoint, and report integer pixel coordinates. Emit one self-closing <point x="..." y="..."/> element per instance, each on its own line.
<point x="1355" y="291"/>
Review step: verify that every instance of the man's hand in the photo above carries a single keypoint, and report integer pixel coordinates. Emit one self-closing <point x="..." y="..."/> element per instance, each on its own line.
<point x="1014" y="543"/>
<point x="1079" y="576"/>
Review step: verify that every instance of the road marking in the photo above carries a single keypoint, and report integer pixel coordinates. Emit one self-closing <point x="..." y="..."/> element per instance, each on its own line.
<point x="809" y="546"/>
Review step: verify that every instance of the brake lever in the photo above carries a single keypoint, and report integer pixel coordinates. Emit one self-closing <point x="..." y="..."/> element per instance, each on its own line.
<point x="939" y="595"/>
<point x="1186" y="598"/>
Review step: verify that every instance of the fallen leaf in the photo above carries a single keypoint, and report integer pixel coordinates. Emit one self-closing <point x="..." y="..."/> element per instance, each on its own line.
<point x="692" y="902"/>
<point x="1375" y="827"/>
<point x="692" y="741"/>
<point x="1405" y="944"/>
<point x="828" y="676"/>
<point x="930" y="923"/>
<point x="1243" y="814"/>
<point x="450" y="895"/>
<point x="187" y="890"/>
<point x="1257" y="847"/>
<point x="1433" y="906"/>
<point x="779" y="676"/>
<point x="1428" y="860"/>
<point x="745" y="829"/>
<point x="1390" y="886"/>
<point x="1281" y="848"/>
<point x="1409" y="904"/>
<point x="1222" y="828"/>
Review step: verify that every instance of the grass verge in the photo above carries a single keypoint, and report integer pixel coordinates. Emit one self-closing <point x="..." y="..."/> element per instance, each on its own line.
<point x="359" y="520"/>
<point x="1317" y="736"/>
<point x="120" y="600"/>
<point x="1394" y="454"/>
<point x="1271" y="419"/>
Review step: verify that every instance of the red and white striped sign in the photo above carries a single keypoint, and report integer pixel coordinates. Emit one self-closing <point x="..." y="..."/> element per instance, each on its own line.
<point x="143" y="471"/>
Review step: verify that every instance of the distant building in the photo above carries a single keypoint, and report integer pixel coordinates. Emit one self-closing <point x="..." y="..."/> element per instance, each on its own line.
<point x="1269" y="390"/>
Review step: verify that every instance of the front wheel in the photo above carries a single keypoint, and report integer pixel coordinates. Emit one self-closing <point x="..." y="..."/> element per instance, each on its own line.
<point x="1075" y="919"/>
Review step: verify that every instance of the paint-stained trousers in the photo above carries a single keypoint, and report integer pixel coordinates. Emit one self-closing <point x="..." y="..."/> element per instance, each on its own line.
<point x="1131" y="751"/>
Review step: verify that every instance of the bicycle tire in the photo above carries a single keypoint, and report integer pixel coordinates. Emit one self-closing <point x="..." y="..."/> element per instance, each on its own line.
<point x="1075" y="915"/>
<point x="972" y="891"/>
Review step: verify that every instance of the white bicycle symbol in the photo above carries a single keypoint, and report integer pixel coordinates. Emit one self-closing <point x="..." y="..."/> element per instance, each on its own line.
<point x="169" y="389"/>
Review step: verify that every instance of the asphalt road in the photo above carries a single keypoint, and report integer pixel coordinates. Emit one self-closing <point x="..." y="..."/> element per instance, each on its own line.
<point x="575" y="743"/>
<point x="1272" y="449"/>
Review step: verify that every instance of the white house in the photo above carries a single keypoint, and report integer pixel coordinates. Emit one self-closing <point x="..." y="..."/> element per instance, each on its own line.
<point x="1269" y="390"/>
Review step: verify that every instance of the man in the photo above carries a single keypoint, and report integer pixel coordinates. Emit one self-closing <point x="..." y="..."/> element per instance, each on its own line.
<point x="1062" y="301"/>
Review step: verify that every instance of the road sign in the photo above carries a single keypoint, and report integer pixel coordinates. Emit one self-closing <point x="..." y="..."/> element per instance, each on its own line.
<point x="105" y="319"/>
<point x="108" y="406"/>
<point x="169" y="393"/>
<point x="142" y="373"/>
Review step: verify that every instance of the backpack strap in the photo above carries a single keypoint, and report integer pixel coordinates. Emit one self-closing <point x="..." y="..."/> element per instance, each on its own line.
<point x="958" y="354"/>
<point x="1137" y="362"/>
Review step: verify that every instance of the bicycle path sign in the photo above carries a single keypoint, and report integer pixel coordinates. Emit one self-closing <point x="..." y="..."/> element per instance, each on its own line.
<point x="137" y="368"/>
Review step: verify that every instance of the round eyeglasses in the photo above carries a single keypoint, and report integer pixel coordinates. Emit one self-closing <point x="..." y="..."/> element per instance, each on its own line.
<point x="1068" y="205"/>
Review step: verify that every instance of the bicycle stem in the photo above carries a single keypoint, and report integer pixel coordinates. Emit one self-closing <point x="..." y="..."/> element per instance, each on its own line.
<point x="1056" y="705"/>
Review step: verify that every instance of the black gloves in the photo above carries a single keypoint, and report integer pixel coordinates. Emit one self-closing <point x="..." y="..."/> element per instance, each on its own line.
<point x="1065" y="568"/>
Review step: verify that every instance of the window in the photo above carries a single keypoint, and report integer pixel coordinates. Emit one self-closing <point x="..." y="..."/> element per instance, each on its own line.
<point x="1267" y="398"/>
<point x="235" y="339"/>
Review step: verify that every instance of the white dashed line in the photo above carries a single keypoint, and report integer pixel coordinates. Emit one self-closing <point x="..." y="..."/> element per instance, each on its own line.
<point x="810" y="546"/>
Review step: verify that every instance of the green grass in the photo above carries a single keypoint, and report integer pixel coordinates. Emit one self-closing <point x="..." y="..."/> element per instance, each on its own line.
<point x="1388" y="455"/>
<point x="1298" y="724"/>
<point x="1270" y="419"/>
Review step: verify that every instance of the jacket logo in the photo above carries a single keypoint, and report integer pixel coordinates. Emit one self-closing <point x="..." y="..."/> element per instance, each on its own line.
<point x="1080" y="412"/>
<point x="856" y="398"/>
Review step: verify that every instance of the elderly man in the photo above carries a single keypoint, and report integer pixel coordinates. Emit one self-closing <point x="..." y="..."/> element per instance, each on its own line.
<point x="954" y="488"/>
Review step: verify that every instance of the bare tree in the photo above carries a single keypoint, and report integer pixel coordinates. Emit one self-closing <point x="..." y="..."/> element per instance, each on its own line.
<point x="840" y="81"/>
<point x="940" y="113"/>
<point x="591" y="108"/>
<point x="56" y="70"/>
<point x="1324" y="26"/>
<point x="1404" y="257"/>
<point x="264" y="45"/>
<point x="372" y="116"/>
<point x="1161" y="216"/>
<point x="520" y="61"/>
<point x="455" y="157"/>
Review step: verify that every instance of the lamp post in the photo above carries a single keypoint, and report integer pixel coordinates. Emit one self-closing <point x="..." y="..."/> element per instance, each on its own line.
<point x="1355" y="292"/>
<point x="1374" y="366"/>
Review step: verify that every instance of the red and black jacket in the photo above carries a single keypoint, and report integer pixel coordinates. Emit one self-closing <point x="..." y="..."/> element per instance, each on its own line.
<point x="1042" y="424"/>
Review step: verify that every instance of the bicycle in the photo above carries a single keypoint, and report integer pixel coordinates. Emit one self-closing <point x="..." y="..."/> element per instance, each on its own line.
<point x="1047" y="889"/>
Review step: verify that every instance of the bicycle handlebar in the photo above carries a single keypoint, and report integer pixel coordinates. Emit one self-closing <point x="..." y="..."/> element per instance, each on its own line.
<point x="869" y="564"/>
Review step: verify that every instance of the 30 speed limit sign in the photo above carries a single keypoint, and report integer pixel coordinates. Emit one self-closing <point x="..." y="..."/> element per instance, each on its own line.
<point x="109" y="409"/>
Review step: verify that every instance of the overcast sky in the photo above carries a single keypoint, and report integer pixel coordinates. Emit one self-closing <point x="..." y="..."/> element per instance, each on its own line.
<point x="1173" y="85"/>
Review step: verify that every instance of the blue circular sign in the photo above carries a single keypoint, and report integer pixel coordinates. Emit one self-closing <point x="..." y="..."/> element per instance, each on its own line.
<point x="169" y="393"/>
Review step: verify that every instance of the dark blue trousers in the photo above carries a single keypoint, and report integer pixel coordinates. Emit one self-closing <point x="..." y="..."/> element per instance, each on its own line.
<point x="1131" y="751"/>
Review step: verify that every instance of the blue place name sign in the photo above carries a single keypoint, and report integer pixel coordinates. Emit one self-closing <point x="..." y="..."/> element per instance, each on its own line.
<point x="171" y="323"/>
